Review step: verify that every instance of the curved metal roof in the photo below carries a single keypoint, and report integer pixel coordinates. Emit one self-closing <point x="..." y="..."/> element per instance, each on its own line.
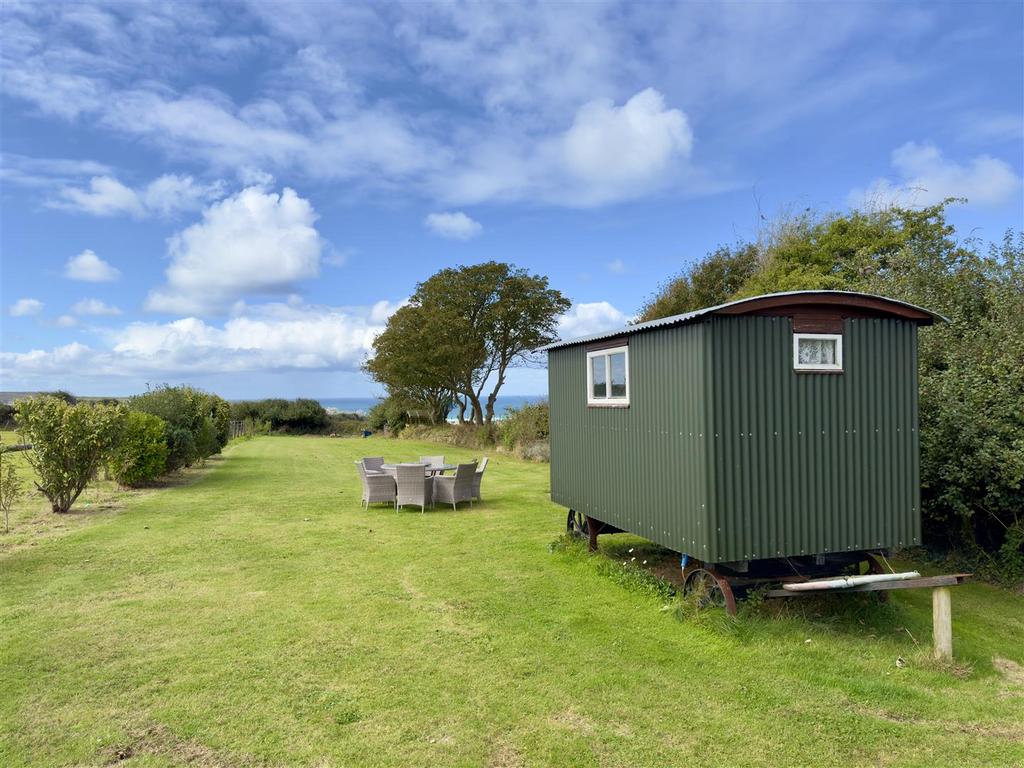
<point x="687" y="317"/>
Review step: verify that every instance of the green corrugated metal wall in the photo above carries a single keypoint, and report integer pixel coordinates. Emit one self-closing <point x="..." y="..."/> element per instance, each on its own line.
<point x="642" y="468"/>
<point x="727" y="454"/>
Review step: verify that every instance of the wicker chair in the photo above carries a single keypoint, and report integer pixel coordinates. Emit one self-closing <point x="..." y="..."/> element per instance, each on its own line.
<point x="377" y="487"/>
<point x="374" y="464"/>
<point x="414" y="487"/>
<point x="434" y="461"/>
<point x="478" y="477"/>
<point x="453" y="489"/>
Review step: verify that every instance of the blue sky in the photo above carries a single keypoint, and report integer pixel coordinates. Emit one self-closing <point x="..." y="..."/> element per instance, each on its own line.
<point x="237" y="196"/>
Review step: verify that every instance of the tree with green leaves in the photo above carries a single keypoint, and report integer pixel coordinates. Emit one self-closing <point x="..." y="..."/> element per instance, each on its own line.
<point x="418" y="363"/>
<point x="10" y="485"/>
<point x="971" y="370"/>
<point x="469" y="325"/>
<point x="69" y="442"/>
<point x="713" y="280"/>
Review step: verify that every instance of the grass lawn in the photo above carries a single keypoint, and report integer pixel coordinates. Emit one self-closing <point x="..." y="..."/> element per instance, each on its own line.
<point x="258" y="616"/>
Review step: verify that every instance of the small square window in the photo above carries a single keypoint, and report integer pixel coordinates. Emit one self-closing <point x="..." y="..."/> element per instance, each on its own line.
<point x="608" y="377"/>
<point x="817" y="351"/>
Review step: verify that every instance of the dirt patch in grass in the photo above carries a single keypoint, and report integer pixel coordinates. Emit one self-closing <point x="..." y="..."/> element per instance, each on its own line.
<point x="572" y="721"/>
<point x="160" y="741"/>
<point x="505" y="757"/>
<point x="1013" y="677"/>
<point x="1011" y="670"/>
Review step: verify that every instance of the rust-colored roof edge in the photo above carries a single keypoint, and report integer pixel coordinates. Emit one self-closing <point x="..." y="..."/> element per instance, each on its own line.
<point x="853" y="298"/>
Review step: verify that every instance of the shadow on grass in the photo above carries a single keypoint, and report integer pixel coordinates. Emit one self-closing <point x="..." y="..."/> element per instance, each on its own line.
<point x="860" y="615"/>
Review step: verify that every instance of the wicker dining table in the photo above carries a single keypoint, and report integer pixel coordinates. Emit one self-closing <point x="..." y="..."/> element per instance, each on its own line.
<point x="429" y="470"/>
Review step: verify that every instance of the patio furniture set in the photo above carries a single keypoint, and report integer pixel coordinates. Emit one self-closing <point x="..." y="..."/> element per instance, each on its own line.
<point x="420" y="483"/>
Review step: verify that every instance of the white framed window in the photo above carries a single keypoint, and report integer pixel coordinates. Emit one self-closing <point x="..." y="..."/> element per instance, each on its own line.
<point x="817" y="351"/>
<point x="608" y="377"/>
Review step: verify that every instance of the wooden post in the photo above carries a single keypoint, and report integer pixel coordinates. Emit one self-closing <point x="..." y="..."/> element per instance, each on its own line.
<point x="593" y="526"/>
<point x="942" y="624"/>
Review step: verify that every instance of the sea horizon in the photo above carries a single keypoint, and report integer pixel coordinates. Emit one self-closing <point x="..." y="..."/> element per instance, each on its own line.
<point x="362" y="405"/>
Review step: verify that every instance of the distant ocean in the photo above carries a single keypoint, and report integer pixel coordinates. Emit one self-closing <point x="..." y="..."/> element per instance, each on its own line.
<point x="364" y="404"/>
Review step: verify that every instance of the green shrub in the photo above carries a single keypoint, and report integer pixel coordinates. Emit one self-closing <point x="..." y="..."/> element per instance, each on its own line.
<point x="524" y="431"/>
<point x="207" y="438"/>
<point x="141" y="453"/>
<point x="301" y="416"/>
<point x="218" y="411"/>
<point x="69" y="442"/>
<point x="346" y="424"/>
<point x="391" y="412"/>
<point x="181" y="447"/>
<point x="198" y="423"/>
<point x="254" y="427"/>
<point x="10" y="487"/>
<point x="60" y="394"/>
<point x="461" y="435"/>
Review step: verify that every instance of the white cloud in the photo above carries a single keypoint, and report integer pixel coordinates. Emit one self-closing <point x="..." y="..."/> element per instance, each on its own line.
<point x="454" y="225"/>
<point x="617" y="150"/>
<point x="383" y="309"/>
<point x="255" y="177"/>
<point x="105" y="196"/>
<point x="165" y="195"/>
<point x="337" y="257"/>
<point x="66" y="321"/>
<point x="587" y="318"/>
<point x="266" y="337"/>
<point x="25" y="307"/>
<point x="926" y="177"/>
<point x="63" y="359"/>
<point x="617" y="266"/>
<point x="255" y="242"/>
<point x="94" y="307"/>
<point x="46" y="171"/>
<point x="552" y="104"/>
<point x="531" y="128"/>
<point x="90" y="268"/>
<point x="171" y="193"/>
<point x="607" y="154"/>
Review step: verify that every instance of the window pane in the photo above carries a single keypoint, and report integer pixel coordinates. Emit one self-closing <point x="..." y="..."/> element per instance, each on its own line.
<point x="817" y="352"/>
<point x="599" y="378"/>
<point x="618" y="374"/>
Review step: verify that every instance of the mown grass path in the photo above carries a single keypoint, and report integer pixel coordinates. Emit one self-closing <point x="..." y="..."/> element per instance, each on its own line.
<point x="260" y="617"/>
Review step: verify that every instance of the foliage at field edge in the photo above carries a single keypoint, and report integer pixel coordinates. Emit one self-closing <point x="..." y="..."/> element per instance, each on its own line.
<point x="522" y="431"/>
<point x="68" y="444"/>
<point x="140" y="454"/>
<point x="303" y="416"/>
<point x="138" y="440"/>
<point x="971" y="369"/>
<point x="197" y="422"/>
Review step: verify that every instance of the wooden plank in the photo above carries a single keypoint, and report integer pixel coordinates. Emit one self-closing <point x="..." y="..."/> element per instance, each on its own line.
<point x="947" y="580"/>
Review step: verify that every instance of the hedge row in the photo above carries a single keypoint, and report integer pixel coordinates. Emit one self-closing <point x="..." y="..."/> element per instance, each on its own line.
<point x="138" y="439"/>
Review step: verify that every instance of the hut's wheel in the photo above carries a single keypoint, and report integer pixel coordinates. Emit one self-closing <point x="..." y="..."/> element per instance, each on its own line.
<point x="577" y="525"/>
<point x="709" y="590"/>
